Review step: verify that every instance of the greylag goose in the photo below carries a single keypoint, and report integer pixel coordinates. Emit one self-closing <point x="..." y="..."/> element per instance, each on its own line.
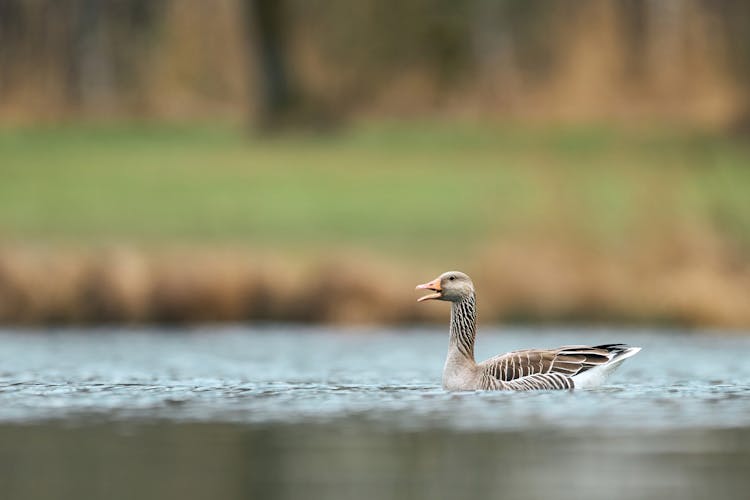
<point x="566" y="367"/>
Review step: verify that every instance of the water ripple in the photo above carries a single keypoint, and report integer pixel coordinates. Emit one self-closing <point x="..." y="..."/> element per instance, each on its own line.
<point x="218" y="376"/>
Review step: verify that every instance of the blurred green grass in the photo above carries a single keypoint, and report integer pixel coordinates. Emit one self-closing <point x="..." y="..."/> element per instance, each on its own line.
<point x="389" y="187"/>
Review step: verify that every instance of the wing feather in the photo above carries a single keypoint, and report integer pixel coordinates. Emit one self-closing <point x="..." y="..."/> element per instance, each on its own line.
<point x="566" y="361"/>
<point x="538" y="381"/>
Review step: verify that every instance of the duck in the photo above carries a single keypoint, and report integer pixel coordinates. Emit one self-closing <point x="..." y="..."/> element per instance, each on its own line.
<point x="563" y="368"/>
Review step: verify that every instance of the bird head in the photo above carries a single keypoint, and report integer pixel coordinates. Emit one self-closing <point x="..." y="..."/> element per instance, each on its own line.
<point x="453" y="286"/>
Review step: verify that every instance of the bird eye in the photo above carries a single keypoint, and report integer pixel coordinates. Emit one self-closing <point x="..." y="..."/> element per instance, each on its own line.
<point x="452" y="278"/>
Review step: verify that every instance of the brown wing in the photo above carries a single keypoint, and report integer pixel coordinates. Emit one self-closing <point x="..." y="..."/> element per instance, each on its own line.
<point x="567" y="361"/>
<point x="537" y="382"/>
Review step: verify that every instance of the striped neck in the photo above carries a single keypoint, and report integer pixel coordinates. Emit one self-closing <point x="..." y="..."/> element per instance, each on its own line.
<point x="464" y="326"/>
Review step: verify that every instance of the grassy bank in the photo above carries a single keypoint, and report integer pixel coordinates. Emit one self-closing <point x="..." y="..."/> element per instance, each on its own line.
<point x="400" y="188"/>
<point x="557" y="223"/>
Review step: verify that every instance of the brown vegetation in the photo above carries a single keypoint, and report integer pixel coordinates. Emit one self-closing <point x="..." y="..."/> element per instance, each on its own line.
<point x="691" y="278"/>
<point x="561" y="61"/>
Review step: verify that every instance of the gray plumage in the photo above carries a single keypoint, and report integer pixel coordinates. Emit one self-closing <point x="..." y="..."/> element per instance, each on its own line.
<point x="566" y="367"/>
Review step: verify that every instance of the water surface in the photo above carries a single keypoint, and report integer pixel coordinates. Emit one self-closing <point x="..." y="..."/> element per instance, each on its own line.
<point x="288" y="412"/>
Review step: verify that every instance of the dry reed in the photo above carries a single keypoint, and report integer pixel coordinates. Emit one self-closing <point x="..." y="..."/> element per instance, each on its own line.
<point x="689" y="278"/>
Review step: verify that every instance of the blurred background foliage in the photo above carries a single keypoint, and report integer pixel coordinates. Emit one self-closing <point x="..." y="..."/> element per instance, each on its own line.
<point x="183" y="160"/>
<point x="329" y="61"/>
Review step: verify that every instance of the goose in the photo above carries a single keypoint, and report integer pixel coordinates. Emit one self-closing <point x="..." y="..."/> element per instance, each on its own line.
<point x="563" y="368"/>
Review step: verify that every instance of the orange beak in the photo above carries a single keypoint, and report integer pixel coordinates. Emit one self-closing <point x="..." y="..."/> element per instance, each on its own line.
<point x="433" y="285"/>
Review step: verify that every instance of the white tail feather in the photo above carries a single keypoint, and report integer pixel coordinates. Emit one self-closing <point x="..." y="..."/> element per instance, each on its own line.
<point x="596" y="376"/>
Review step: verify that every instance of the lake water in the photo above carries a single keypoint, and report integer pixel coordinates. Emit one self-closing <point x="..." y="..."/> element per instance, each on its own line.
<point x="290" y="412"/>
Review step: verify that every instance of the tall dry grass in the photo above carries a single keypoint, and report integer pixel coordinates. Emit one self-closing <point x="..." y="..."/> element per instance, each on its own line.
<point x="690" y="277"/>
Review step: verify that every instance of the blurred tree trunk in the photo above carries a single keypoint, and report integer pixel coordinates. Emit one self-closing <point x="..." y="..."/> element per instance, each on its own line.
<point x="91" y="72"/>
<point x="281" y="100"/>
<point x="735" y="17"/>
<point x="266" y="28"/>
<point x="106" y="44"/>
